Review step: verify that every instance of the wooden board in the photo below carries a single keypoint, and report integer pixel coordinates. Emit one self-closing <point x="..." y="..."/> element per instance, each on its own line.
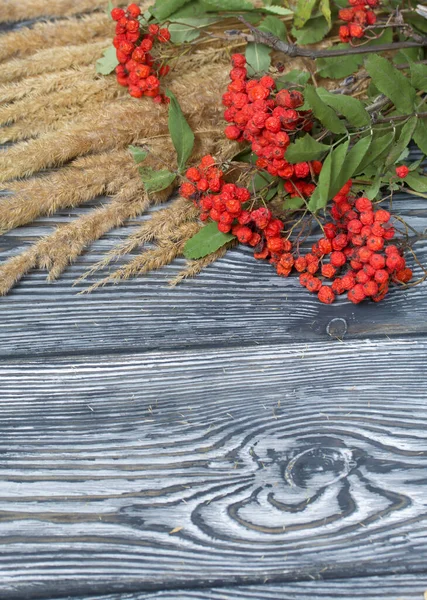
<point x="278" y="462"/>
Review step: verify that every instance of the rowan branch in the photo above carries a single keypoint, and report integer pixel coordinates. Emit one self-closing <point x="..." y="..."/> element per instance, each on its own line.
<point x="293" y="50"/>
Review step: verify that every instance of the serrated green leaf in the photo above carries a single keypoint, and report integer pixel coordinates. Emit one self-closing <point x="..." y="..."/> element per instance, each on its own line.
<point x="155" y="181"/>
<point x="305" y="148"/>
<point x="180" y="131"/>
<point x="108" y="62"/>
<point x="258" y="58"/>
<point x="193" y="9"/>
<point x="188" y="29"/>
<point x="206" y="241"/>
<point x="338" y="158"/>
<point x="274" y="26"/>
<point x="391" y="83"/>
<point x="419" y="76"/>
<point x="303" y="11"/>
<point x="313" y="31"/>
<point x="293" y="203"/>
<point x="402" y="143"/>
<point x="416" y="182"/>
<point x="320" y="196"/>
<point x="277" y="10"/>
<point x="337" y="67"/>
<point x="228" y="5"/>
<point x="261" y="179"/>
<point x="322" y="111"/>
<point x="294" y="76"/>
<point x="420" y="135"/>
<point x="351" y="108"/>
<point x="138" y="154"/>
<point x="372" y="192"/>
<point x="350" y="164"/>
<point x="406" y="55"/>
<point x="271" y="193"/>
<point x="325" y="9"/>
<point x="378" y="145"/>
<point x="163" y="9"/>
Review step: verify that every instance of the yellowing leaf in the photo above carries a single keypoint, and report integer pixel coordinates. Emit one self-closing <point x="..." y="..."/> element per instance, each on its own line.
<point x="108" y="62"/>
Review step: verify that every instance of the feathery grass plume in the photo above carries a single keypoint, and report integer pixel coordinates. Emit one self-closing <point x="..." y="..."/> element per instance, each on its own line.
<point x="26" y="41"/>
<point x="85" y="179"/>
<point x="153" y="259"/>
<point x="51" y="60"/>
<point x="33" y="9"/>
<point x="77" y="95"/>
<point x="194" y="267"/>
<point x="14" y="269"/>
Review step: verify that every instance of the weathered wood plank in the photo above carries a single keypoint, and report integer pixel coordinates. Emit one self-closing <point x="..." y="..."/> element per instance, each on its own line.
<point x="235" y="301"/>
<point x="279" y="462"/>
<point x="399" y="587"/>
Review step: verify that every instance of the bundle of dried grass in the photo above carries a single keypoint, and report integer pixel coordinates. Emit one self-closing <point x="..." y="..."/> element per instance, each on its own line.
<point x="81" y="125"/>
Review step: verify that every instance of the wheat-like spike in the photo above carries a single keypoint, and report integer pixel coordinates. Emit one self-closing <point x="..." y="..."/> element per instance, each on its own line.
<point x="33" y="9"/>
<point x="83" y="180"/>
<point x="45" y="62"/>
<point x="78" y="94"/>
<point x="194" y="267"/>
<point x="26" y="41"/>
<point x="150" y="260"/>
<point x="15" y="268"/>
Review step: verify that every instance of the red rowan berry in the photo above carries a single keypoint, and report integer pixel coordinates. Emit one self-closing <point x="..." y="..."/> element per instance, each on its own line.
<point x="348" y="281"/>
<point x="117" y="14"/>
<point x="363" y="204"/>
<point x="232" y="132"/>
<point x="267" y="82"/>
<point x="300" y="264"/>
<point x="224" y="227"/>
<point x="153" y="29"/>
<point x="404" y="275"/>
<point x="362" y="277"/>
<point x="328" y="271"/>
<point x="304" y="278"/>
<point x="356" y="294"/>
<point x="286" y="260"/>
<point x="233" y="206"/>
<point x="355" y="30"/>
<point x="187" y="190"/>
<point x="255" y="239"/>
<point x="338" y="259"/>
<point x="370" y="288"/>
<point x="344" y="33"/>
<point x="325" y="246"/>
<point x="226" y="218"/>
<point x="134" y="10"/>
<point x="402" y="171"/>
<point x="132" y="26"/>
<point x="371" y="17"/>
<point x="382" y="216"/>
<point x="395" y="262"/>
<point x="330" y="230"/>
<point x="146" y="45"/>
<point x="316" y="165"/>
<point x="381" y="276"/>
<point x="238" y="60"/>
<point x="337" y="286"/>
<point x="302" y="170"/>
<point x="313" y="266"/>
<point x="375" y="243"/>
<point x="313" y="284"/>
<point x="164" y="35"/>
<point x="339" y="242"/>
<point x="346" y="14"/>
<point x="326" y="295"/>
<point x="354" y="225"/>
<point x="367" y="217"/>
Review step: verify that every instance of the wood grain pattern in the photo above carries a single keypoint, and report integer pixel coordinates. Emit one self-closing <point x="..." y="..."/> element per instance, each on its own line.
<point x="215" y="309"/>
<point x="399" y="587"/>
<point x="153" y="470"/>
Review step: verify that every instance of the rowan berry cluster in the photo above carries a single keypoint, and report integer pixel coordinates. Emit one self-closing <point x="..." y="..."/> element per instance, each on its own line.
<point x="138" y="69"/>
<point x="360" y="261"/>
<point x="226" y="203"/>
<point x="357" y="18"/>
<point x="266" y="119"/>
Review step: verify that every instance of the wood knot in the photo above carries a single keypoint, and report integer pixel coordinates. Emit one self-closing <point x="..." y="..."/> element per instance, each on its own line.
<point x="337" y="328"/>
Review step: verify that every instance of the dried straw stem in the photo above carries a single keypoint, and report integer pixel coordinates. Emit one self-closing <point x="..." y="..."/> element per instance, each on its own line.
<point x="15" y="268"/>
<point x="194" y="267"/>
<point x="82" y="181"/>
<point x="50" y="60"/>
<point x="153" y="259"/>
<point x="25" y="42"/>
<point x="33" y="9"/>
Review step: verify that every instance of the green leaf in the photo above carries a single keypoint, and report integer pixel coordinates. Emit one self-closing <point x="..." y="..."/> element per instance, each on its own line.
<point x="155" y="181"/>
<point x="322" y="111"/>
<point x="313" y="31"/>
<point x="138" y="154"/>
<point x="325" y="9"/>
<point x="293" y="203"/>
<point x="303" y="11"/>
<point x="206" y="241"/>
<point x="163" y="9"/>
<point x="416" y="182"/>
<point x="277" y="10"/>
<point x="406" y="55"/>
<point x="372" y="192"/>
<point x="294" y="76"/>
<point x="402" y="143"/>
<point x="420" y="135"/>
<point x="351" y="108"/>
<point x="110" y="7"/>
<point x="193" y="9"/>
<point x="320" y="196"/>
<point x="350" y="164"/>
<point x="228" y="5"/>
<point x="108" y="62"/>
<point x="180" y="131"/>
<point x="271" y="193"/>
<point x="305" y="148"/>
<point x="188" y="29"/>
<point x="391" y="83"/>
<point x="258" y="58"/>
<point x="419" y="76"/>
<point x="274" y="26"/>
<point x="246" y="156"/>
<point x="337" y="67"/>
<point x="379" y="144"/>
<point x="262" y="179"/>
<point x="338" y="158"/>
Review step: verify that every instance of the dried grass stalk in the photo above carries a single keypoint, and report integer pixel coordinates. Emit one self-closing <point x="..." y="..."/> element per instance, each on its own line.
<point x="15" y="268"/>
<point x="33" y="9"/>
<point x="26" y="41"/>
<point x="84" y="180"/>
<point x="194" y="267"/>
<point x="49" y="61"/>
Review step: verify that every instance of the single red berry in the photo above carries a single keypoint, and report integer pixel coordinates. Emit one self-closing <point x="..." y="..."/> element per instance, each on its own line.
<point x="326" y="295"/>
<point x="164" y="35"/>
<point x="117" y="14"/>
<point x="328" y="271"/>
<point x="134" y="10"/>
<point x="370" y="288"/>
<point x="402" y="171"/>
<point x="356" y="30"/>
<point x="356" y="294"/>
<point x="338" y="259"/>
